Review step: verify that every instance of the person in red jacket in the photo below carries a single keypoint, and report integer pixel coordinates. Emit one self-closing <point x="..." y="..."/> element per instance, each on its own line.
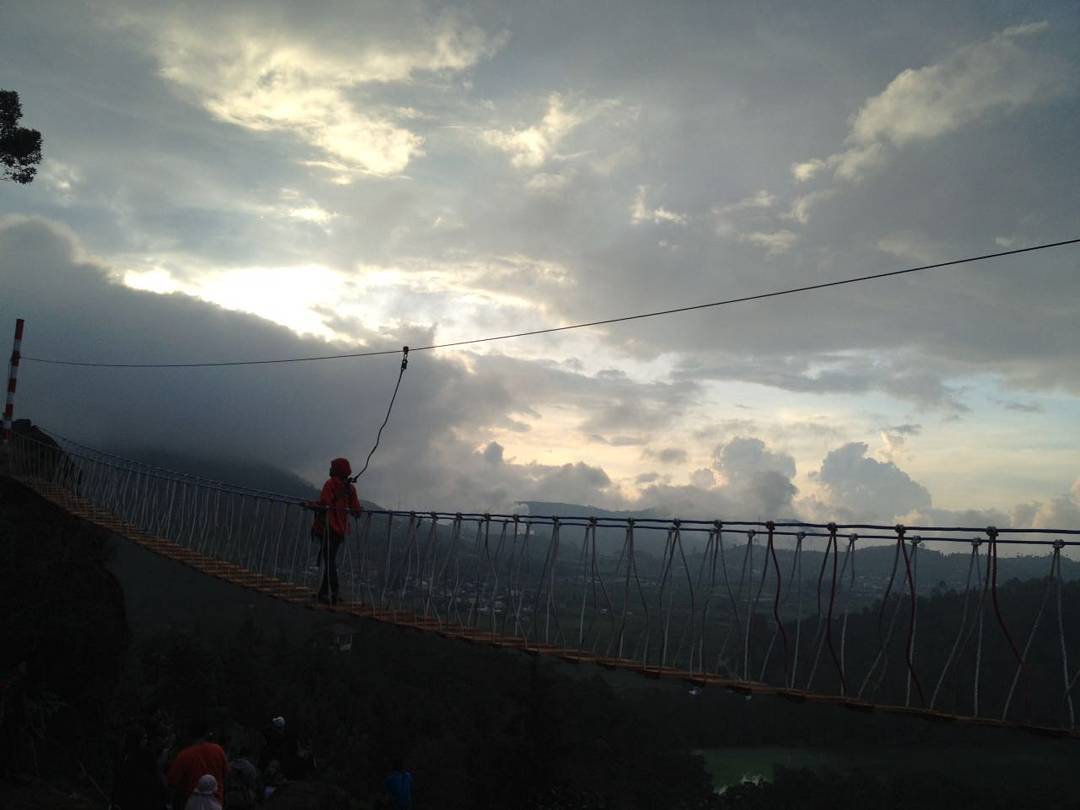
<point x="337" y="501"/>
<point x="201" y="757"/>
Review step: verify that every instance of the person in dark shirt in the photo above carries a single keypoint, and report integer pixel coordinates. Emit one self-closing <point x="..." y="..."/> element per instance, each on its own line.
<point x="279" y="758"/>
<point x="138" y="782"/>
<point x="399" y="787"/>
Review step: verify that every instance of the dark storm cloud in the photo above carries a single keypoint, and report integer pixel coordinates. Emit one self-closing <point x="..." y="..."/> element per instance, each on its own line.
<point x="295" y="416"/>
<point x="667" y="455"/>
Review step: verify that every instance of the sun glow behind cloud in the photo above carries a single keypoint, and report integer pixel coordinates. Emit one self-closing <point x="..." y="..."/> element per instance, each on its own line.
<point x="265" y="80"/>
<point x="290" y="296"/>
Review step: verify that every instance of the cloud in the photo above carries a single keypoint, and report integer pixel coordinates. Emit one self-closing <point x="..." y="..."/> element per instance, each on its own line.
<point x="752" y="220"/>
<point x="801" y="205"/>
<point x="753" y="481"/>
<point x="911" y="245"/>
<point x="759" y="200"/>
<point x="906" y="429"/>
<point x="260" y="78"/>
<point x="774" y="242"/>
<point x="743" y="458"/>
<point x="895" y="446"/>
<point x="845" y="373"/>
<point x="894" y="440"/>
<point x="618" y="440"/>
<point x="996" y="76"/>
<point x="640" y="212"/>
<point x="533" y="146"/>
<point x="857" y="487"/>
<point x="756" y="477"/>
<point x="549" y="182"/>
<point x="1060" y="512"/>
<point x="1017" y="405"/>
<point x="668" y="455"/>
<point x="703" y="478"/>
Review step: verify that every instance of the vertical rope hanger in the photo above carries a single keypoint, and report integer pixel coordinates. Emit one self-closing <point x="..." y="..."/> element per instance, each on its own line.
<point x="389" y="410"/>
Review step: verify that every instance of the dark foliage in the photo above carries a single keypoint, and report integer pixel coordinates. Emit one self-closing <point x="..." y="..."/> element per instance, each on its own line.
<point x="64" y="631"/>
<point x="20" y="148"/>
<point x="912" y="790"/>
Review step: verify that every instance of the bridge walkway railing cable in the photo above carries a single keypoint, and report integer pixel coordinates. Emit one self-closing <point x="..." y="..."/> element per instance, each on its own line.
<point x="666" y="598"/>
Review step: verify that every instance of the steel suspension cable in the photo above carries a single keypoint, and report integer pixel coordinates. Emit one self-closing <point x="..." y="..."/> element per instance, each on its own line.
<point x="585" y="325"/>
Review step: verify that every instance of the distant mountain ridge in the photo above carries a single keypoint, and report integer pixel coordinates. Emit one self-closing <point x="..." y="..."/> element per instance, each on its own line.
<point x="559" y="509"/>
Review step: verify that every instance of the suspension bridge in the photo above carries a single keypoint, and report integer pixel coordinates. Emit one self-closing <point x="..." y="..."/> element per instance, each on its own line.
<point x="705" y="602"/>
<point x="759" y="607"/>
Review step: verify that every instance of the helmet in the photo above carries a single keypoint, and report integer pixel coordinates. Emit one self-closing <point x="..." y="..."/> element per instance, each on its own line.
<point x="207" y="785"/>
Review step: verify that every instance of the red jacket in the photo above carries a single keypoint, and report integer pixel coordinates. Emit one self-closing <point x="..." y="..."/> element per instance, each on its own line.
<point x="192" y="763"/>
<point x="339" y="497"/>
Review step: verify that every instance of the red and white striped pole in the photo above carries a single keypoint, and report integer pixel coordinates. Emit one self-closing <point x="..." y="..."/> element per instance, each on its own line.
<point x="13" y="373"/>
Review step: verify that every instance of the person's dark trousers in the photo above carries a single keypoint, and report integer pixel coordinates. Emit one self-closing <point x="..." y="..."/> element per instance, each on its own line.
<point x="331" y="546"/>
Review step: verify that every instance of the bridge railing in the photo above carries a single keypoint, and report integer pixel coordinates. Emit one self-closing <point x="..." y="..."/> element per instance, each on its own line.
<point x="781" y="603"/>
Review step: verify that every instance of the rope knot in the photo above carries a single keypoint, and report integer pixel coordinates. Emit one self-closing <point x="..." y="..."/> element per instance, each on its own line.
<point x="992" y="533"/>
<point x="1059" y="544"/>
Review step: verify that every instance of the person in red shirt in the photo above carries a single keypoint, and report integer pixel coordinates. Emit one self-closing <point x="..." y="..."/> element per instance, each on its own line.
<point x="201" y="757"/>
<point x="336" y="502"/>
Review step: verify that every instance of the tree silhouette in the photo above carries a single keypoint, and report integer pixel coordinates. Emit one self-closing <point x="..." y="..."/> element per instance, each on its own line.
<point x="20" y="148"/>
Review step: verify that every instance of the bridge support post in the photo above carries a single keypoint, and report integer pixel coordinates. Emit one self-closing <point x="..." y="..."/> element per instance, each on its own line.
<point x="9" y="404"/>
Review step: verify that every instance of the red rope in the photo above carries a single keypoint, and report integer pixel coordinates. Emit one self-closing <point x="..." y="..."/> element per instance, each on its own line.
<point x="776" y="599"/>
<point x="992" y="552"/>
<point x="911" y="621"/>
<point x="832" y="600"/>
<point x="993" y="594"/>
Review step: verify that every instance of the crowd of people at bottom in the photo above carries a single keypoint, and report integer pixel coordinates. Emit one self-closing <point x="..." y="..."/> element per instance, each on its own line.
<point x="212" y="773"/>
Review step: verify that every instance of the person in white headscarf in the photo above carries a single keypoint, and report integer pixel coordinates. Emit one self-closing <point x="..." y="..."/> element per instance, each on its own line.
<point x="203" y="798"/>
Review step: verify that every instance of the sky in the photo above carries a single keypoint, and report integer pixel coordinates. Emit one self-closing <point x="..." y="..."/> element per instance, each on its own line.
<point x="254" y="180"/>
